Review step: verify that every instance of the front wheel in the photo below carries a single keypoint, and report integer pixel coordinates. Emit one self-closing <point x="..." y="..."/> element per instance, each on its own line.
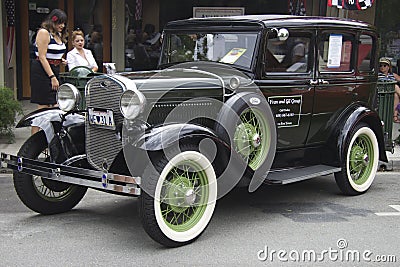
<point x="178" y="196"/>
<point x="361" y="161"/>
<point x="39" y="194"/>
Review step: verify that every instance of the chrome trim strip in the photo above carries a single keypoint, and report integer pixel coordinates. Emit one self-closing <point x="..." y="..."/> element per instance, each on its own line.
<point x="73" y="175"/>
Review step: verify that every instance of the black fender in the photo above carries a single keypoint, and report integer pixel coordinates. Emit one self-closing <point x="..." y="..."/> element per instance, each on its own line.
<point x="341" y="132"/>
<point x="231" y="167"/>
<point x="45" y="118"/>
<point x="49" y="120"/>
<point x="163" y="136"/>
<point x="64" y="134"/>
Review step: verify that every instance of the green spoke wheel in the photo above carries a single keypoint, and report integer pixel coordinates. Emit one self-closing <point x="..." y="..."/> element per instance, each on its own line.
<point x="251" y="137"/>
<point x="178" y="196"/>
<point x="359" y="169"/>
<point x="184" y="195"/>
<point x="361" y="159"/>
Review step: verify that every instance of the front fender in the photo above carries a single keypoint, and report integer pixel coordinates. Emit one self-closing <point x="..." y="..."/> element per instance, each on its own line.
<point x="46" y="119"/>
<point x="230" y="166"/>
<point x="164" y="136"/>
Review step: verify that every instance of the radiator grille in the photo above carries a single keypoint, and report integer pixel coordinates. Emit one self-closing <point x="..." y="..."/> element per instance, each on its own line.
<point x="102" y="144"/>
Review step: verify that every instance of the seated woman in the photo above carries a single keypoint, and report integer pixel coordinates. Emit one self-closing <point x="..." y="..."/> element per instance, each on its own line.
<point x="385" y="72"/>
<point x="80" y="56"/>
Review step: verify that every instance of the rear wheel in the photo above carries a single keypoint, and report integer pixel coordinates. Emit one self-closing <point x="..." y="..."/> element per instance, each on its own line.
<point x="178" y="197"/>
<point x="39" y="194"/>
<point x="361" y="161"/>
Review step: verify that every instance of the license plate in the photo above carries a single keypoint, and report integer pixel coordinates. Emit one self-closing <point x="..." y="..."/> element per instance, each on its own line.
<point x="101" y="117"/>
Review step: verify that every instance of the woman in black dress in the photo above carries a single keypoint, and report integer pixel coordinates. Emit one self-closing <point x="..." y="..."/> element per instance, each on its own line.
<point x="49" y="50"/>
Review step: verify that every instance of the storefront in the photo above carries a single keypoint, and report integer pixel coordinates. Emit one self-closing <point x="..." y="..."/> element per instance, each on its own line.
<point x="121" y="25"/>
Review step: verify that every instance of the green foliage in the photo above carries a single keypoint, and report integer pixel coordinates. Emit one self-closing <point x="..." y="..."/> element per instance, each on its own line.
<point x="9" y="108"/>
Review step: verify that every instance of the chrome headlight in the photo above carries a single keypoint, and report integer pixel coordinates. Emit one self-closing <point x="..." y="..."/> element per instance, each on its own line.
<point x="68" y="97"/>
<point x="234" y="83"/>
<point x="131" y="104"/>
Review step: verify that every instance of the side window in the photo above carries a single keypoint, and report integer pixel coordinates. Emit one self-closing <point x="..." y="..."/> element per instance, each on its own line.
<point x="364" y="60"/>
<point x="335" y="53"/>
<point x="291" y="55"/>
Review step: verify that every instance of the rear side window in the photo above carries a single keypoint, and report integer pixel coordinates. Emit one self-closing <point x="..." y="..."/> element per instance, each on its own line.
<point x="365" y="50"/>
<point x="336" y="52"/>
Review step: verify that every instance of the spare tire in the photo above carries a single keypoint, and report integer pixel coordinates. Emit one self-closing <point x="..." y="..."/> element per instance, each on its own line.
<point x="246" y="122"/>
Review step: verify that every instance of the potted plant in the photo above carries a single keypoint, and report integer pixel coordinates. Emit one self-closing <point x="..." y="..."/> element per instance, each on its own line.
<point x="9" y="108"/>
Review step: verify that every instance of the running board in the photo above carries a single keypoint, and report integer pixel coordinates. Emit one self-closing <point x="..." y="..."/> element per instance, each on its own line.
<point x="288" y="176"/>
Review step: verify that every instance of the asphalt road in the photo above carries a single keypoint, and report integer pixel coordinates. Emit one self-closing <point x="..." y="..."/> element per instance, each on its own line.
<point x="275" y="226"/>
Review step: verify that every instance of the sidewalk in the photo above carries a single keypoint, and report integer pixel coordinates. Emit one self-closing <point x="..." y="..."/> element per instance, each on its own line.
<point x="21" y="134"/>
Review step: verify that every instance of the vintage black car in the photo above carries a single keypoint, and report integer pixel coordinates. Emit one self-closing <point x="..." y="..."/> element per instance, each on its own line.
<point x="236" y="101"/>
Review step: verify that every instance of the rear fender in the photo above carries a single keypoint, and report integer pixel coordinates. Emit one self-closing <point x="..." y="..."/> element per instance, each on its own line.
<point x="349" y="120"/>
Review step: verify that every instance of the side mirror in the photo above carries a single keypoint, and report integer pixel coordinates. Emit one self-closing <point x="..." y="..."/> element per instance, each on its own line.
<point x="282" y="34"/>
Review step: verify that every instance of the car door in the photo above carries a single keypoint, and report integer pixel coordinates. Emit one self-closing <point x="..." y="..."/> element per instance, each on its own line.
<point x="288" y="69"/>
<point x="335" y="81"/>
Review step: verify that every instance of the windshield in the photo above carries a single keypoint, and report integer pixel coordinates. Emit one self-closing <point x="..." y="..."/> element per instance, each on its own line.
<point x="230" y="48"/>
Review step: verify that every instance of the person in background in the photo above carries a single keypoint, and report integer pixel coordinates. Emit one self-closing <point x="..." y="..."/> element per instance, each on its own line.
<point x="79" y="56"/>
<point x="49" y="49"/>
<point x="396" y="113"/>
<point x="385" y="72"/>
<point x="96" y="45"/>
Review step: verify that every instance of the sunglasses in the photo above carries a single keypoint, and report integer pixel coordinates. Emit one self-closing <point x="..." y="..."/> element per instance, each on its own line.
<point x="383" y="65"/>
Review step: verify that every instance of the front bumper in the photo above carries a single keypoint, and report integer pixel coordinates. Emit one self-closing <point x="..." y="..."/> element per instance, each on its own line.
<point x="113" y="183"/>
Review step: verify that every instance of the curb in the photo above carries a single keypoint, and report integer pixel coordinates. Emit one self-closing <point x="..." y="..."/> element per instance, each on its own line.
<point x="392" y="165"/>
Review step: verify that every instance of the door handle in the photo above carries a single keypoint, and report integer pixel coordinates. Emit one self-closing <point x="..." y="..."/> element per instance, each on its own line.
<point x="318" y="82"/>
<point x="322" y="81"/>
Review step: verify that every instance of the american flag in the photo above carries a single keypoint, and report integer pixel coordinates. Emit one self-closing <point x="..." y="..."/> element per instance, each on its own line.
<point x="297" y="7"/>
<point x="138" y="10"/>
<point x="10" y="9"/>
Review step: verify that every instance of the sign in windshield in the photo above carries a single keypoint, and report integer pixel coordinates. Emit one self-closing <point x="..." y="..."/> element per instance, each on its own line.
<point x="229" y="48"/>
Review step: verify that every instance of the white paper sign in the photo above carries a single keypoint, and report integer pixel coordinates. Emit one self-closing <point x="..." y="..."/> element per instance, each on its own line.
<point x="335" y="50"/>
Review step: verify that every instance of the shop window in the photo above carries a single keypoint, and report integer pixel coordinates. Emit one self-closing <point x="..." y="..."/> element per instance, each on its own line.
<point x="88" y="17"/>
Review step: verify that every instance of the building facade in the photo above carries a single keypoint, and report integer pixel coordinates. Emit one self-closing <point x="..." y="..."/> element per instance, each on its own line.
<point x="118" y="24"/>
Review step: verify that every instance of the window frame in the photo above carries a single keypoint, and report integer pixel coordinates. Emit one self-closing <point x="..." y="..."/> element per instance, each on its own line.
<point x="323" y="36"/>
<point x="299" y="32"/>
<point x="373" y="62"/>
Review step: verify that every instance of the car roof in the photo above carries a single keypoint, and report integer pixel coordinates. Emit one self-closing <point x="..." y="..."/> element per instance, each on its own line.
<point x="272" y="21"/>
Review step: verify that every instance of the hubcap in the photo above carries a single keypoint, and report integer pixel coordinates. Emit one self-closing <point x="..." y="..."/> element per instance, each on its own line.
<point x="256" y="140"/>
<point x="190" y="197"/>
